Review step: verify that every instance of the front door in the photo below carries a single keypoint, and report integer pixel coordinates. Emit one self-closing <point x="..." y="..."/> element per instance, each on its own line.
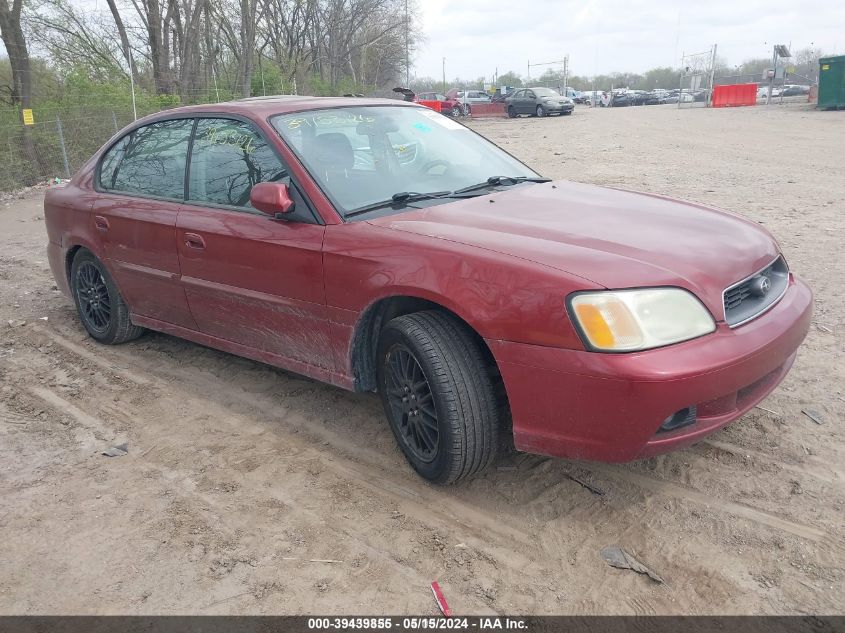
<point x="142" y="185"/>
<point x="528" y="102"/>
<point x="249" y="278"/>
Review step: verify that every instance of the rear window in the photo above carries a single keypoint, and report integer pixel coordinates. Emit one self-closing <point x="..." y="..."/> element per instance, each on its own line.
<point x="149" y="161"/>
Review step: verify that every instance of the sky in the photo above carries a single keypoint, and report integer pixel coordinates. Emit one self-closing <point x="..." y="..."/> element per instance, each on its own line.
<point x="601" y="36"/>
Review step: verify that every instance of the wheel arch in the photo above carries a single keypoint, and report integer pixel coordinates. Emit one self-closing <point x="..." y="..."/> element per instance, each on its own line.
<point x="364" y="343"/>
<point x="70" y="255"/>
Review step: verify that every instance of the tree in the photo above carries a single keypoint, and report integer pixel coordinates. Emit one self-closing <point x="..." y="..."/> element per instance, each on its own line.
<point x="510" y="78"/>
<point x="20" y="92"/>
<point x="16" y="48"/>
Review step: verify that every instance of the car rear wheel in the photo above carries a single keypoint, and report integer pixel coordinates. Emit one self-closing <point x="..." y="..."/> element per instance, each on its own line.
<point x="541" y="111"/>
<point x="438" y="396"/>
<point x="511" y="112"/>
<point x="101" y="308"/>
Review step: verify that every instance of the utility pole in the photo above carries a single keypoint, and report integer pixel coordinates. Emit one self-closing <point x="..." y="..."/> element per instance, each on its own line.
<point x="774" y="72"/>
<point x="407" y="55"/>
<point x="565" y="72"/>
<point x="444" y="75"/>
<point x="712" y="76"/>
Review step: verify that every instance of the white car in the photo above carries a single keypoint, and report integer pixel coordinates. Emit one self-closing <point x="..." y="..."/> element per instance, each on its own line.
<point x="471" y="96"/>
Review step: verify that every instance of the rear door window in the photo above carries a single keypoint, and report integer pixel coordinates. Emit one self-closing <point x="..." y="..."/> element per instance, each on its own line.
<point x="149" y="161"/>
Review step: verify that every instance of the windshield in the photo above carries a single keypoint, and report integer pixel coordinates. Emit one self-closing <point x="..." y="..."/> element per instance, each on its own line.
<point x="545" y="92"/>
<point x="364" y="155"/>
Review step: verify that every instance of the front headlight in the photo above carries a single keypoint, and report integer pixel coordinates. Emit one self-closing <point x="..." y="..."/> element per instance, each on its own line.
<point x="630" y="320"/>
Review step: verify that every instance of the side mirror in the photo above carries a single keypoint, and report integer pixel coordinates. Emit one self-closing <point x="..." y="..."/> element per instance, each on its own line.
<point x="272" y="198"/>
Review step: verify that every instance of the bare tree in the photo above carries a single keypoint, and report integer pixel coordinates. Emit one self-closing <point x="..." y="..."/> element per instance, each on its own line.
<point x="16" y="47"/>
<point x="21" y="90"/>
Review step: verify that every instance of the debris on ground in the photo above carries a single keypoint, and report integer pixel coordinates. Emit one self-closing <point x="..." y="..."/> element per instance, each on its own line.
<point x="312" y="560"/>
<point x="767" y="410"/>
<point x="117" y="451"/>
<point x="617" y="557"/>
<point x="813" y="415"/>
<point x="441" y="600"/>
<point x="16" y="323"/>
<point x="594" y="489"/>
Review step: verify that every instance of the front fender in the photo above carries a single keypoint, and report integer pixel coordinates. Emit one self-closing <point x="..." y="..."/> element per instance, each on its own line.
<point x="501" y="297"/>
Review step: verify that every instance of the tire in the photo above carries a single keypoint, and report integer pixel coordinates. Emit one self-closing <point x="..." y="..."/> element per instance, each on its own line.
<point x="511" y="112"/>
<point x="456" y="111"/>
<point x="567" y="113"/>
<point x="430" y="358"/>
<point x="541" y="111"/>
<point x="101" y="308"/>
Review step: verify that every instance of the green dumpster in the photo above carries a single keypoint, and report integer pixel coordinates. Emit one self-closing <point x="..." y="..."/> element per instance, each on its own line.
<point x="832" y="82"/>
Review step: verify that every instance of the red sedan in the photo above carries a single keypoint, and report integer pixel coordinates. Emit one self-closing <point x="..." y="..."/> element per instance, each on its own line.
<point x="380" y="246"/>
<point x="448" y="105"/>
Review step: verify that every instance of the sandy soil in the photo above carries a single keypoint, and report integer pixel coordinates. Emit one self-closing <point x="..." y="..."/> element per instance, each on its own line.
<point x="242" y="480"/>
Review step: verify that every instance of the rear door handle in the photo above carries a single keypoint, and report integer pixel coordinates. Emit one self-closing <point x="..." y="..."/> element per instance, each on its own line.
<point x="101" y="223"/>
<point x="195" y="241"/>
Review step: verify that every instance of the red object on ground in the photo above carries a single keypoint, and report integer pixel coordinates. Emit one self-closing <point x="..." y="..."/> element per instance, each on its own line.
<point x="441" y="600"/>
<point x="211" y="274"/>
<point x="485" y="110"/>
<point x="734" y="95"/>
<point x="434" y="105"/>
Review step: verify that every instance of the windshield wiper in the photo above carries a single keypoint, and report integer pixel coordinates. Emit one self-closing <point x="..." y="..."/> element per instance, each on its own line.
<point x="492" y="181"/>
<point x="402" y="197"/>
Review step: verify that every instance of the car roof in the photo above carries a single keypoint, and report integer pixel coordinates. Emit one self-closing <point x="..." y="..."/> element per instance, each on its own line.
<point x="263" y="107"/>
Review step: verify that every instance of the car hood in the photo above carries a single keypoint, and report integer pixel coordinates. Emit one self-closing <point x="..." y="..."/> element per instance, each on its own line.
<point x="611" y="237"/>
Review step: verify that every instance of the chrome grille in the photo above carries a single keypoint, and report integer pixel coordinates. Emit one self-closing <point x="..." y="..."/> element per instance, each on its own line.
<point x="755" y="294"/>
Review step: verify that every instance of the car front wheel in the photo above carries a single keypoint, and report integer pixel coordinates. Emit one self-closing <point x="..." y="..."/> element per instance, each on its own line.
<point x="541" y="111"/>
<point x="438" y="395"/>
<point x="101" y="308"/>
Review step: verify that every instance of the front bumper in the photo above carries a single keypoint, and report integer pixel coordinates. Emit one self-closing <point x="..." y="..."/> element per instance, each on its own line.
<point x="609" y="407"/>
<point x="558" y="108"/>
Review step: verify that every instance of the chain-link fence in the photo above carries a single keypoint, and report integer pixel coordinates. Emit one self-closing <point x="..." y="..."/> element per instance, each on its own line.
<point x="55" y="145"/>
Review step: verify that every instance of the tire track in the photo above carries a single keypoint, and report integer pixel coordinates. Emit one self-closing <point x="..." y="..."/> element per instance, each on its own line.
<point x="732" y="507"/>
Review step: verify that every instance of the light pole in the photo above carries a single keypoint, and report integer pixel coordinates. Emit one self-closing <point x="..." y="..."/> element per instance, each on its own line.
<point x="444" y="75"/>
<point x="407" y="55"/>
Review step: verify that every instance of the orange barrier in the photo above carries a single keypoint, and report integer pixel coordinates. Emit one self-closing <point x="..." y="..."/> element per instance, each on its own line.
<point x="734" y="95"/>
<point x="482" y="110"/>
<point x="434" y="105"/>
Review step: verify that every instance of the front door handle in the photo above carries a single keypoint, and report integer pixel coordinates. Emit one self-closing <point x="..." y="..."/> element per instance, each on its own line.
<point x="195" y="241"/>
<point x="101" y="223"/>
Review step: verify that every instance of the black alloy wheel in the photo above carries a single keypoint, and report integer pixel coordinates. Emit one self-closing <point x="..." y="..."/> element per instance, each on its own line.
<point x="93" y="295"/>
<point x="412" y="404"/>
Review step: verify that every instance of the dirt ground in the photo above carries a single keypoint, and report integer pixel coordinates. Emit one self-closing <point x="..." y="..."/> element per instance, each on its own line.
<point x="251" y="490"/>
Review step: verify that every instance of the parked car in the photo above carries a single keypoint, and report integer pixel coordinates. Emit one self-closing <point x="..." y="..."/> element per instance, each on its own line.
<point x="638" y="97"/>
<point x="658" y="96"/>
<point x="469" y="96"/>
<point x="595" y="323"/>
<point x="592" y="97"/>
<point x="538" y="101"/>
<point x="617" y="100"/>
<point x="793" y="91"/>
<point x="449" y="106"/>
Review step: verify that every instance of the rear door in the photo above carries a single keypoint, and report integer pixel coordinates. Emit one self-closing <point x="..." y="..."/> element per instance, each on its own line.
<point x="249" y="278"/>
<point x="141" y="180"/>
